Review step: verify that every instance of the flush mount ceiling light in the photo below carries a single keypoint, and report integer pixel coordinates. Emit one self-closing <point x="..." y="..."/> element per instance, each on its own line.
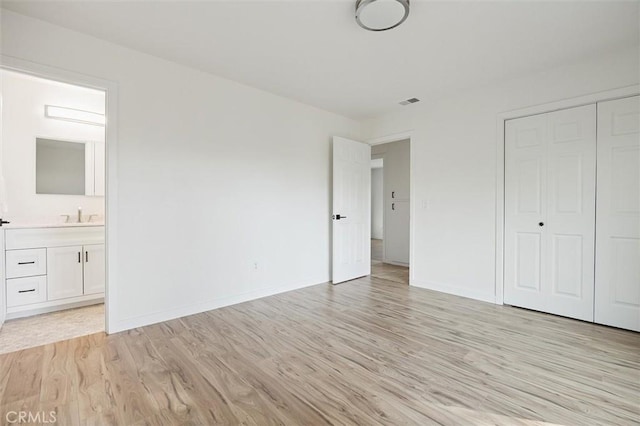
<point x="381" y="15"/>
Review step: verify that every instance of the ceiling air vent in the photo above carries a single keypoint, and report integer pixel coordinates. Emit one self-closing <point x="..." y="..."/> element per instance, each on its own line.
<point x="410" y="101"/>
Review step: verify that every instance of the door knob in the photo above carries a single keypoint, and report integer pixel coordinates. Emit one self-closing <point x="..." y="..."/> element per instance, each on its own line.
<point x="541" y="224"/>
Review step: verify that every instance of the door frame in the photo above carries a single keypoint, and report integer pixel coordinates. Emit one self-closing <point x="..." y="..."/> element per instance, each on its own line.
<point x="395" y="137"/>
<point x="593" y="98"/>
<point x="111" y="179"/>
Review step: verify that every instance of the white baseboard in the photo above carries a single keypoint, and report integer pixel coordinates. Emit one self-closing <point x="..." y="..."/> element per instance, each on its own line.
<point x="455" y="290"/>
<point x="43" y="308"/>
<point x="140" y="321"/>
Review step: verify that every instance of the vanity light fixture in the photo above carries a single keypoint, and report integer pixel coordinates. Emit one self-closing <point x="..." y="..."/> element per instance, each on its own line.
<point x="74" y="115"/>
<point x="381" y="15"/>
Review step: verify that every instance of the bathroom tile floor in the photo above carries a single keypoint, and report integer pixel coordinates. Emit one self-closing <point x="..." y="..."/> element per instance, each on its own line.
<point x="39" y="330"/>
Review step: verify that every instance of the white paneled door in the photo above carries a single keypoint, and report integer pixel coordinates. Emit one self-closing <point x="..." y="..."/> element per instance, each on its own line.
<point x="3" y="299"/>
<point x="351" y="210"/>
<point x="550" y="166"/>
<point x="617" y="294"/>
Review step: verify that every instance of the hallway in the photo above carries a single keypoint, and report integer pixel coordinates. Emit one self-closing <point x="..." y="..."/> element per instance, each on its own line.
<point x="386" y="271"/>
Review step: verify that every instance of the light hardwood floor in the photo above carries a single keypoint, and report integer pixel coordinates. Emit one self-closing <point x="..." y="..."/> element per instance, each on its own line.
<point x="370" y="351"/>
<point x="385" y="271"/>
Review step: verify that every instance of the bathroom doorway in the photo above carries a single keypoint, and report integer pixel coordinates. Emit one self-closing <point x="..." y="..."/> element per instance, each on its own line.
<point x="377" y="208"/>
<point x="53" y="169"/>
<point x="390" y="210"/>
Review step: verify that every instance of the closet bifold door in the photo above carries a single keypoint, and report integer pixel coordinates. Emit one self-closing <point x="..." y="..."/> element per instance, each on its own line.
<point x="550" y="177"/>
<point x="617" y="290"/>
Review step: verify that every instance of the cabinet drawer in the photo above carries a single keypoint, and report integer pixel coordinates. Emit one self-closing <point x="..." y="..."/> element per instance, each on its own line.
<point x="24" y="291"/>
<point x="26" y="263"/>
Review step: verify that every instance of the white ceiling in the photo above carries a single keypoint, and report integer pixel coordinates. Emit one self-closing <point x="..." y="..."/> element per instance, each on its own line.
<point x="314" y="51"/>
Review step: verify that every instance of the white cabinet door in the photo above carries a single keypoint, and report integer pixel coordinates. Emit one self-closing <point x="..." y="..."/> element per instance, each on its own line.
<point x="94" y="268"/>
<point x="94" y="169"/>
<point x="89" y="169"/>
<point x="99" y="168"/>
<point x="64" y="272"/>
<point x="617" y="290"/>
<point x="396" y="249"/>
<point x="550" y="212"/>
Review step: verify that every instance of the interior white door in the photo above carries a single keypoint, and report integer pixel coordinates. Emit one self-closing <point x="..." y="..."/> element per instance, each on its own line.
<point x="550" y="212"/>
<point x="64" y="272"/>
<point x="94" y="268"/>
<point x="3" y="299"/>
<point x="351" y="210"/>
<point x="617" y="289"/>
<point x="525" y="208"/>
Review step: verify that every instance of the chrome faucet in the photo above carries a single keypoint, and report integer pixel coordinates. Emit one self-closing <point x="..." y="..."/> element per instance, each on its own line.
<point x="79" y="214"/>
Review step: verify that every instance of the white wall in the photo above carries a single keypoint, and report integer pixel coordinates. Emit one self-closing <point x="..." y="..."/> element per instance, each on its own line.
<point x="214" y="177"/>
<point x="454" y="174"/>
<point x="23" y="101"/>
<point x="377" y="203"/>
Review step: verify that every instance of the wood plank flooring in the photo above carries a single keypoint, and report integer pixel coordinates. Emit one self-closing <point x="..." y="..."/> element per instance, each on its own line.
<point x="385" y="271"/>
<point x="370" y="351"/>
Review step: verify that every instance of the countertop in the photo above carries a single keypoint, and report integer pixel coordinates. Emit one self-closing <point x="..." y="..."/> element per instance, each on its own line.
<point x="26" y="225"/>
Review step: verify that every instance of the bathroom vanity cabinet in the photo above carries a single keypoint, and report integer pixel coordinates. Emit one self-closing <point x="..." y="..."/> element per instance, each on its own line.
<point x="53" y="268"/>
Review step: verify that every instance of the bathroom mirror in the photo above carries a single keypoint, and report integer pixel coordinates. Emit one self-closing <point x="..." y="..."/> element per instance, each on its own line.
<point x="60" y="167"/>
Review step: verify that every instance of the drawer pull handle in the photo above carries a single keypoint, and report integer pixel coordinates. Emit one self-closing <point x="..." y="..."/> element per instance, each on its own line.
<point x="79" y="257"/>
<point x="27" y="263"/>
<point x="86" y="257"/>
<point x="26" y="291"/>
